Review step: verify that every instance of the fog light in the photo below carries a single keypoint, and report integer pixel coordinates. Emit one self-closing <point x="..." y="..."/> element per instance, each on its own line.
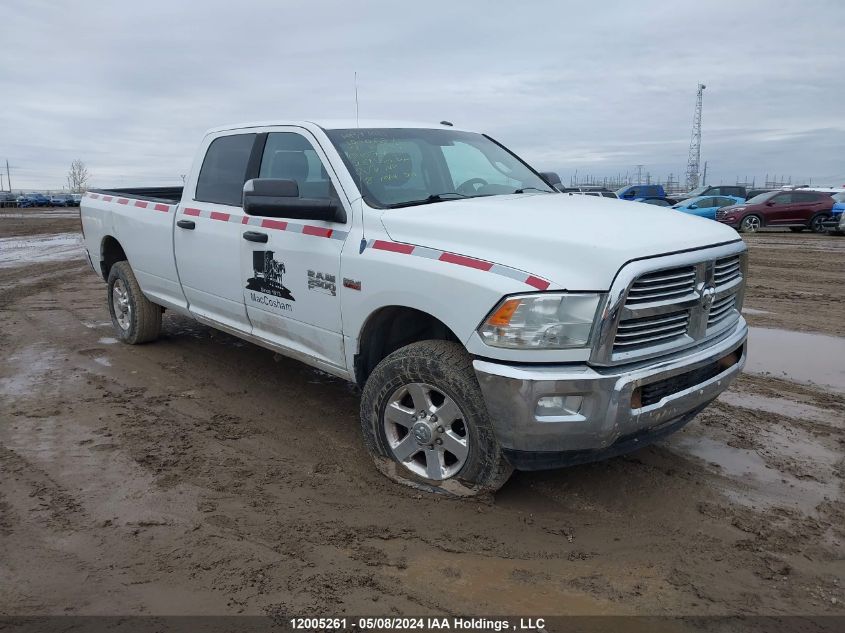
<point x="556" y="406"/>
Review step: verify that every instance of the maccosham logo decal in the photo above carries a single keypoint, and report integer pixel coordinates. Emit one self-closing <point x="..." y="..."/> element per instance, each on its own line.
<point x="268" y="279"/>
<point x="322" y="282"/>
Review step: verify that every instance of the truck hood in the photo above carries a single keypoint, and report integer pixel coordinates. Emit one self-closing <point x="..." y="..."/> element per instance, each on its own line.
<point x="576" y="242"/>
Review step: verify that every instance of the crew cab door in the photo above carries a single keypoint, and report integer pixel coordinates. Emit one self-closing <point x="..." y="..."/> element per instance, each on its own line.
<point x="207" y="235"/>
<point x="290" y="268"/>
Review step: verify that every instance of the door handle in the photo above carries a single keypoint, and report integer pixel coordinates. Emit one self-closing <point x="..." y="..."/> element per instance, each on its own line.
<point x="255" y="236"/>
<point x="186" y="224"/>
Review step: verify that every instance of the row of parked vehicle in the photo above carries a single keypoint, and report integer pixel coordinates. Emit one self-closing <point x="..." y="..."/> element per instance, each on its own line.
<point x="746" y="210"/>
<point x="28" y="200"/>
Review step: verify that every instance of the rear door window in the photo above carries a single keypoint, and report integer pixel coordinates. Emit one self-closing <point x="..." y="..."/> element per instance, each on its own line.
<point x="223" y="171"/>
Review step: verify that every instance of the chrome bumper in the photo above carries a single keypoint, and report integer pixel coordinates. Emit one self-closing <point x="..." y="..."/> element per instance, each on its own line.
<point x="601" y="407"/>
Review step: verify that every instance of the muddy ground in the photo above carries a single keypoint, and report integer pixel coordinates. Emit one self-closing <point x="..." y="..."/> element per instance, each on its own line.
<point x="204" y="475"/>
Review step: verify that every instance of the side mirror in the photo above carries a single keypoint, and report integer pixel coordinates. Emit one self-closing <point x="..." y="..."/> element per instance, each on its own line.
<point x="692" y="206"/>
<point x="278" y="198"/>
<point x="770" y="203"/>
<point x="550" y="177"/>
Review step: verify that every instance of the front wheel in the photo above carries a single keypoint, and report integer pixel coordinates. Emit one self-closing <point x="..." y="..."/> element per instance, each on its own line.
<point x="817" y="223"/>
<point x="751" y="224"/>
<point x="136" y="319"/>
<point x="425" y="422"/>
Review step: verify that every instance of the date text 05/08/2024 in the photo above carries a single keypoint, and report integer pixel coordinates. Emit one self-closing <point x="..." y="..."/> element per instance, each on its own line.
<point x="416" y="624"/>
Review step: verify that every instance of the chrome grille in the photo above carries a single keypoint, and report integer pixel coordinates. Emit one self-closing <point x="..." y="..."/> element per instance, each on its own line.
<point x="691" y="298"/>
<point x="662" y="285"/>
<point x="721" y="309"/>
<point x="650" y="331"/>
<point x="726" y="270"/>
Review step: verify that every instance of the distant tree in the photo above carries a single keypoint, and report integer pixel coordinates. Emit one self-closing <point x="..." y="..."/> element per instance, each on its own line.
<point x="77" y="177"/>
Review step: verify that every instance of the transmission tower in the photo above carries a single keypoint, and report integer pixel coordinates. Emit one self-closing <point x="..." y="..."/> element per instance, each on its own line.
<point x="694" y="160"/>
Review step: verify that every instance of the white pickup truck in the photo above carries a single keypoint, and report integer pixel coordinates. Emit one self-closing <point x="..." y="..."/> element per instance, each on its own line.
<point x="491" y="322"/>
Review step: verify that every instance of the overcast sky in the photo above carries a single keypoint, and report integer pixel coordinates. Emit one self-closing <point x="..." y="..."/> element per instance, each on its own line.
<point x="597" y="87"/>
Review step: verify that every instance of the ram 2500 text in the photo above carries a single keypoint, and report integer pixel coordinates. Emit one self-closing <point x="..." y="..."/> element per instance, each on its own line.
<point x="491" y="322"/>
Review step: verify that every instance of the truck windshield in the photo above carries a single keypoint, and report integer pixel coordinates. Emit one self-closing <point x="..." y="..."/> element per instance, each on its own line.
<point x="400" y="167"/>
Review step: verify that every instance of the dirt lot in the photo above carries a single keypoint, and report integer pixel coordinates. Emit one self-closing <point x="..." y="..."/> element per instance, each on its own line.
<point x="201" y="474"/>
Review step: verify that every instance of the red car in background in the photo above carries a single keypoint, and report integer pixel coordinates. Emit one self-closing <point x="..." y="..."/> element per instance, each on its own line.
<point x="797" y="210"/>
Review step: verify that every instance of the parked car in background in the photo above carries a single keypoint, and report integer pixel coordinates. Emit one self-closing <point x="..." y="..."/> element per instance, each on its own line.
<point x="61" y="200"/>
<point x="753" y="193"/>
<point x="7" y="199"/>
<point x="33" y="200"/>
<point x="75" y="199"/>
<point x="658" y="202"/>
<point x="632" y="192"/>
<point x="588" y="191"/>
<point x="706" y="206"/>
<point x="737" y="191"/>
<point x="796" y="210"/>
<point x="835" y="224"/>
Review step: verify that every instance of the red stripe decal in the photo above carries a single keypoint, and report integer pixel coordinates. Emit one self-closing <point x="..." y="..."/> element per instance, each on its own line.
<point x="94" y="195"/>
<point x="316" y="230"/>
<point x="106" y="198"/>
<point x="141" y="203"/>
<point x="274" y="224"/>
<point x="245" y="219"/>
<point x="216" y="215"/>
<point x="465" y="261"/>
<point x="405" y="249"/>
<point x="189" y="211"/>
<point x="162" y="207"/>
<point x="539" y="284"/>
<point x="122" y="201"/>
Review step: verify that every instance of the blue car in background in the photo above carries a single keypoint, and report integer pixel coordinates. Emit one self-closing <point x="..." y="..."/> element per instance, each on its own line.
<point x="634" y="192"/>
<point x="832" y="224"/>
<point x="706" y="206"/>
<point x="33" y="200"/>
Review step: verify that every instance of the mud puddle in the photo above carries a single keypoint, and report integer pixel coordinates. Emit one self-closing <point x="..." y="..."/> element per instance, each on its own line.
<point x="18" y="251"/>
<point x="797" y="356"/>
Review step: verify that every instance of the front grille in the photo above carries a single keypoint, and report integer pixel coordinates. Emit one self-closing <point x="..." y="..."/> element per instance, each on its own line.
<point x="662" y="285"/>
<point x="721" y="309"/>
<point x="670" y="308"/>
<point x="726" y="270"/>
<point x="632" y="334"/>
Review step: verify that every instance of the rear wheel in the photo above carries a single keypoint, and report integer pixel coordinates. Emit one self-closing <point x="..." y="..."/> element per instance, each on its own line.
<point x="136" y="319"/>
<point x="751" y="224"/>
<point x="425" y="422"/>
<point x="816" y="224"/>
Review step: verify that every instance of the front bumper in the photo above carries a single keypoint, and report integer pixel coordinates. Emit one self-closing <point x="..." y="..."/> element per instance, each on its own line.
<point x="605" y="405"/>
<point x="833" y="223"/>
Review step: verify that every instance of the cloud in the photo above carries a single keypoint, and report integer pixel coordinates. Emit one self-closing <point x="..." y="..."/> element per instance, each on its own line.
<point x="130" y="88"/>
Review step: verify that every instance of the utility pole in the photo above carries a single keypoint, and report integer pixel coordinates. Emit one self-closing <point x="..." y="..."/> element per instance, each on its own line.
<point x="704" y="175"/>
<point x="639" y="174"/>
<point x="8" y="177"/>
<point x="694" y="160"/>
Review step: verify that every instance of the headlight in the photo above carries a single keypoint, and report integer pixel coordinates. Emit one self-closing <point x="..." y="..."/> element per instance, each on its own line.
<point x="542" y="321"/>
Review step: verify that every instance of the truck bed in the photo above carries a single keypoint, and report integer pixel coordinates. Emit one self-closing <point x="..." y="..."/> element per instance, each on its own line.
<point x="169" y="195"/>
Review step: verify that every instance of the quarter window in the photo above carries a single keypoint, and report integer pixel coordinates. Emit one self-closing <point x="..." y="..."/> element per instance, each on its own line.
<point x="223" y="172"/>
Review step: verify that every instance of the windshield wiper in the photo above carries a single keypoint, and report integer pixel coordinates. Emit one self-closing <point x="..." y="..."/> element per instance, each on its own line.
<point x="435" y="197"/>
<point x="524" y="189"/>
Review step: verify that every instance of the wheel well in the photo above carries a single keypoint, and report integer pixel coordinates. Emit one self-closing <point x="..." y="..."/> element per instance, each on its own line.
<point x="111" y="252"/>
<point x="393" y="327"/>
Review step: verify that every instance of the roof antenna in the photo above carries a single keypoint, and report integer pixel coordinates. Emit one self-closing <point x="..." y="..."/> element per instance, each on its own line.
<point x="363" y="244"/>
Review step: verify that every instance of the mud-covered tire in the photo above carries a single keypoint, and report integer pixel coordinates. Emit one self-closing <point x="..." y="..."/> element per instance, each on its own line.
<point x="143" y="318"/>
<point x="445" y="366"/>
